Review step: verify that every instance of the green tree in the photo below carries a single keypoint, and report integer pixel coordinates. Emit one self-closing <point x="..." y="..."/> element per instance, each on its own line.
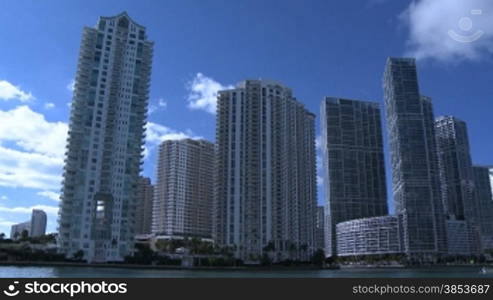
<point x="78" y="255"/>
<point x="24" y="235"/>
<point x="318" y="258"/>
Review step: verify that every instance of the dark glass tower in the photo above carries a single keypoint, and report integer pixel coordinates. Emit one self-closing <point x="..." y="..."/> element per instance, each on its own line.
<point x="415" y="176"/>
<point x="354" y="165"/>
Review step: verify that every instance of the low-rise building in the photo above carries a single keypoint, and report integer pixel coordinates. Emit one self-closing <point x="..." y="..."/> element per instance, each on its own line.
<point x="369" y="236"/>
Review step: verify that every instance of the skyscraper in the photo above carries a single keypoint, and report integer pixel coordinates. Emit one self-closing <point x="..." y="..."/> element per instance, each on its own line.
<point x="483" y="195"/>
<point x="354" y="166"/>
<point x="456" y="175"/>
<point x="414" y="161"/>
<point x="143" y="215"/>
<point x="266" y="176"/>
<point x="106" y="135"/>
<point x="38" y="223"/>
<point x="184" y="190"/>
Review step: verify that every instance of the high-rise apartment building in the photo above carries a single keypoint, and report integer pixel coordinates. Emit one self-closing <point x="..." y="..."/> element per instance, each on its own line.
<point x="184" y="190"/>
<point x="483" y="195"/>
<point x="105" y="141"/>
<point x="354" y="167"/>
<point x="266" y="192"/>
<point x="143" y="215"/>
<point x="414" y="161"/>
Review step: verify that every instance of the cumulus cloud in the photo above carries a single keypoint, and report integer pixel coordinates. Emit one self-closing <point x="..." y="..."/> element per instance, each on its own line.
<point x="157" y="133"/>
<point x="8" y="91"/>
<point x="53" y="210"/>
<point x="450" y="30"/>
<point x="203" y="93"/>
<point x="30" y="131"/>
<point x="31" y="149"/>
<point x="50" y="195"/>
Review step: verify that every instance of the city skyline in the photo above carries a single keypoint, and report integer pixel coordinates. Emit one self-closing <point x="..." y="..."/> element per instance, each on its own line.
<point x="14" y="211"/>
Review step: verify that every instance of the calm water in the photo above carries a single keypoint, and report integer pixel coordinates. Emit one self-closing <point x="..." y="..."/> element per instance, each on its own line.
<point x="29" y="272"/>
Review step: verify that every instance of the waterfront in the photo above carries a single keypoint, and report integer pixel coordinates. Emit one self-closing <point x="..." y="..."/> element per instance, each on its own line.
<point x="91" y="272"/>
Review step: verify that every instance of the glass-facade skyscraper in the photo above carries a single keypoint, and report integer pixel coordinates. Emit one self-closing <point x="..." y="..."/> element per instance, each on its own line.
<point x="457" y="181"/>
<point x="483" y="195"/>
<point x="456" y="174"/>
<point x="414" y="161"/>
<point x="105" y="142"/>
<point x="354" y="167"/>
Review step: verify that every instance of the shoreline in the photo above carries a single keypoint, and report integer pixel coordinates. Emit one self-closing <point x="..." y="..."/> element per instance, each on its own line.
<point x="156" y="267"/>
<point x="229" y="268"/>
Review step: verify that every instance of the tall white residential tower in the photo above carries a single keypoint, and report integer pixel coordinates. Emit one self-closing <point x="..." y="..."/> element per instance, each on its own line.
<point x="105" y="141"/>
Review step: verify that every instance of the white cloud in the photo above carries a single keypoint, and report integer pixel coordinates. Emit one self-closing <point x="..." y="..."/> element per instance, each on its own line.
<point x="49" y="105"/>
<point x="436" y="28"/>
<point x="203" y="93"/>
<point x="50" y="194"/>
<point x="162" y="103"/>
<point x="157" y="133"/>
<point x="4" y="198"/>
<point x="31" y="149"/>
<point x="29" y="170"/>
<point x="8" y="91"/>
<point x="320" y="180"/>
<point x="27" y="210"/>
<point x="71" y="85"/>
<point x="152" y="109"/>
<point x="30" y="131"/>
<point x="6" y="223"/>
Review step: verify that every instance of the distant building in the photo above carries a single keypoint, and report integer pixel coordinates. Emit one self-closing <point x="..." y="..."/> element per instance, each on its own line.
<point x="266" y="173"/>
<point x="143" y="214"/>
<point x="320" y="228"/>
<point x="38" y="223"/>
<point x="184" y="190"/>
<point x="369" y="236"/>
<point x="483" y="194"/>
<point x="17" y="229"/>
<point x="414" y="161"/>
<point x="35" y="227"/>
<point x="354" y="167"/>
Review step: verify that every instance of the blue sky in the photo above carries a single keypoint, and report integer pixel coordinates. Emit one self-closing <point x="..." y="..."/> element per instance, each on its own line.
<point x="318" y="48"/>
